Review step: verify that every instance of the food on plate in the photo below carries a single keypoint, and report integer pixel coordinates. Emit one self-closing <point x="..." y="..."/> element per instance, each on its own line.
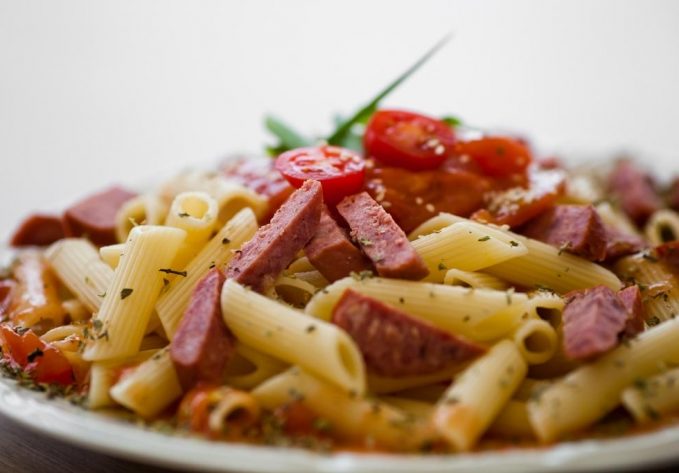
<point x="408" y="284"/>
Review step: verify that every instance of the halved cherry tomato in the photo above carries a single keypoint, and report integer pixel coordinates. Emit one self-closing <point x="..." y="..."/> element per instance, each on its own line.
<point x="498" y="156"/>
<point x="340" y="171"/>
<point x="43" y="362"/>
<point x="408" y="140"/>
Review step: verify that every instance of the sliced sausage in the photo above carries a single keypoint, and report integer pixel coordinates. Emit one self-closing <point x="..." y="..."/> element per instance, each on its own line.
<point x="332" y="253"/>
<point x="619" y="244"/>
<point x="203" y="344"/>
<point x="631" y="298"/>
<point x="575" y="228"/>
<point x="396" y="344"/>
<point x="635" y="191"/>
<point x="95" y="216"/>
<point x="38" y="230"/>
<point x="275" y="245"/>
<point x="593" y="319"/>
<point x="380" y="238"/>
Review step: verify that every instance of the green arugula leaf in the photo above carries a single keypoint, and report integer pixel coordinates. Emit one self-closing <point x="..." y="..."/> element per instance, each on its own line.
<point x="344" y="130"/>
<point x="288" y="138"/>
<point x="452" y="121"/>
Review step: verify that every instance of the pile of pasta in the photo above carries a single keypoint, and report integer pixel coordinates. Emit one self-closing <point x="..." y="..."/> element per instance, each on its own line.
<point x="485" y="283"/>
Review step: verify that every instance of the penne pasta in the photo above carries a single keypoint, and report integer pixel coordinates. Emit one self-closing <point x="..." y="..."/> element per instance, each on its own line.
<point x="149" y="388"/>
<point x="648" y="399"/>
<point x="588" y="393"/>
<point x="217" y="252"/>
<point x="290" y="335"/>
<point x="465" y="246"/>
<point x="79" y="267"/>
<point x="480" y="314"/>
<point x="475" y="280"/>
<point x="349" y="416"/>
<point x="251" y="367"/>
<point x="663" y="226"/>
<point x="231" y="197"/>
<point x="111" y="254"/>
<point x="659" y="285"/>
<point x="512" y="421"/>
<point x="104" y="374"/>
<point x="196" y="214"/>
<point x="145" y="209"/>
<point x="128" y="305"/>
<point x="544" y="266"/>
<point x="478" y="395"/>
<point x="536" y="340"/>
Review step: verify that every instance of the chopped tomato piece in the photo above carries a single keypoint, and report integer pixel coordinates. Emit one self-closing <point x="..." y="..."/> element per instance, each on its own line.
<point x="408" y="140"/>
<point x="413" y="197"/>
<point x="498" y="156"/>
<point x="194" y="409"/>
<point x="340" y="171"/>
<point x="40" y="360"/>
<point x="518" y="205"/>
<point x="6" y="292"/>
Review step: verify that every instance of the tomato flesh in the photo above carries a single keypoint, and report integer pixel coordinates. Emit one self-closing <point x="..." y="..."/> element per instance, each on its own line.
<point x="413" y="197"/>
<point x="408" y="140"/>
<point x="340" y="171"/>
<point x="518" y="205"/>
<point x="497" y="156"/>
<point x="43" y="362"/>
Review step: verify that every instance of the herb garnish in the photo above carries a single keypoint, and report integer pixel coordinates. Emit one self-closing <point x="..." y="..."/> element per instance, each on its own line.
<point x="173" y="271"/>
<point x="125" y="292"/>
<point x="348" y="132"/>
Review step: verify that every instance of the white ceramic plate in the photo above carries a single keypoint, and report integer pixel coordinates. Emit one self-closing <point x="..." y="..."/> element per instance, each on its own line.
<point x="103" y="433"/>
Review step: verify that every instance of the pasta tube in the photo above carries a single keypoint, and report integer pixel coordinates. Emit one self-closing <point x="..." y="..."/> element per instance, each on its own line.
<point x="478" y="395"/>
<point x="349" y="416"/>
<point x="588" y="393"/>
<point x="479" y="314"/>
<point x="136" y="284"/>
<point x="217" y="252"/>
<point x="289" y="335"/>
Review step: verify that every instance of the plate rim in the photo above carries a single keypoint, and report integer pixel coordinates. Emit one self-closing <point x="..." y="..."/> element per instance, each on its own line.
<point x="90" y="430"/>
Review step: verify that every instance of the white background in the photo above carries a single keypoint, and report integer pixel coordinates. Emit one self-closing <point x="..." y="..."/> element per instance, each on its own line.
<point x="96" y="92"/>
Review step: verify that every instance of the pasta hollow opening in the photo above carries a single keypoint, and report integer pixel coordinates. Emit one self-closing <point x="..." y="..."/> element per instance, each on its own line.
<point x="537" y="342"/>
<point x="195" y="207"/>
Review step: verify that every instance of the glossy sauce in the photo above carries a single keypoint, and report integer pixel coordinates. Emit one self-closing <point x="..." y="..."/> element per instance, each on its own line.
<point x="411" y="197"/>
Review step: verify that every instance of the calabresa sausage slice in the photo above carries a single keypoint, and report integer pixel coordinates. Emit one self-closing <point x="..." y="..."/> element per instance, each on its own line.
<point x="275" y="245"/>
<point x="202" y="345"/>
<point x="396" y="344"/>
<point x="635" y="191"/>
<point x="631" y="298"/>
<point x="95" y="216"/>
<point x="593" y="321"/>
<point x="380" y="238"/>
<point x="332" y="253"/>
<point x="38" y="230"/>
<point x="577" y="229"/>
